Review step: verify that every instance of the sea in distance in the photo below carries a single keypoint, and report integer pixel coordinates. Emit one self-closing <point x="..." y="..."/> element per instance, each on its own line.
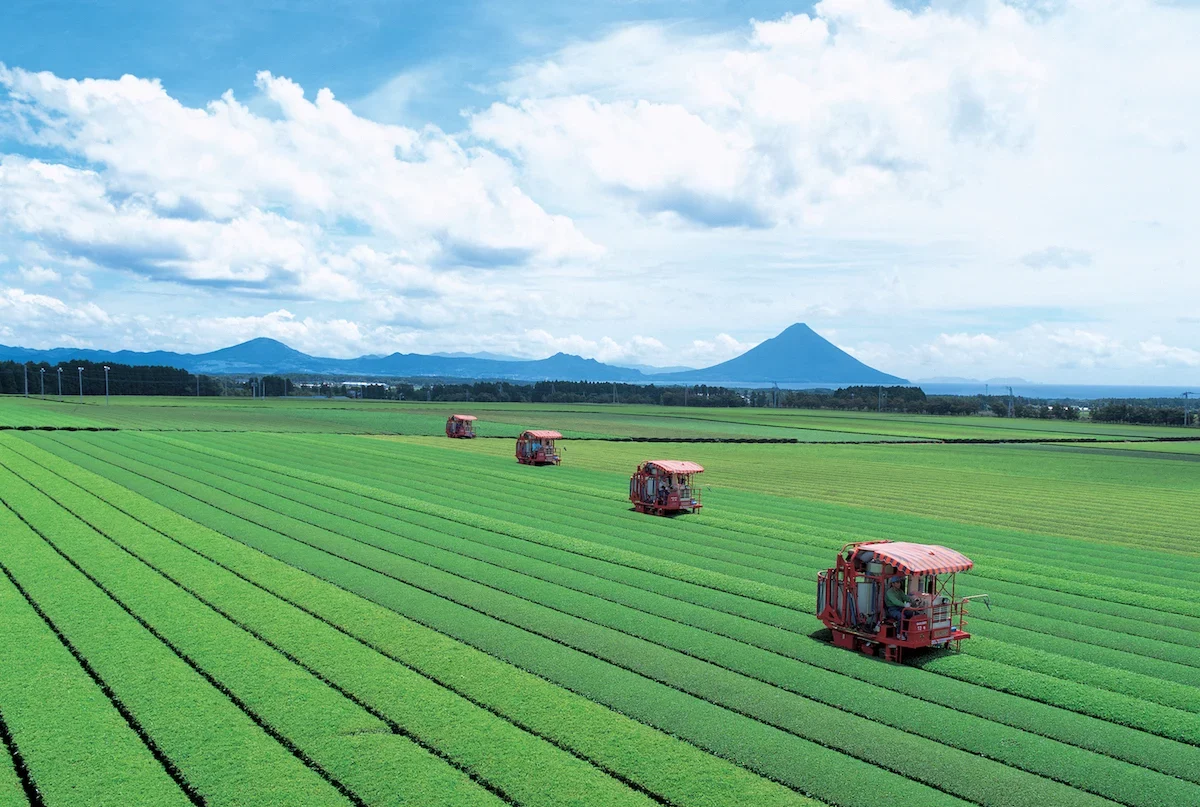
<point x="1027" y="389"/>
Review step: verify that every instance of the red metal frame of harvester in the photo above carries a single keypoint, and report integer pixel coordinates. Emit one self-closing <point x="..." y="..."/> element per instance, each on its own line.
<point x="461" y="426"/>
<point x="850" y="597"/>
<point x="665" y="487"/>
<point x="536" y="447"/>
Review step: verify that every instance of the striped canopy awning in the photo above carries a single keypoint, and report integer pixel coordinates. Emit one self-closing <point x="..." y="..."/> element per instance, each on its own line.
<point x="912" y="558"/>
<point x="544" y="434"/>
<point x="677" y="466"/>
<point x="463" y="417"/>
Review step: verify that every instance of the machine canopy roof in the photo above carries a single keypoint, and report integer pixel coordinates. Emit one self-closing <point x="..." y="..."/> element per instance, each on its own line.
<point x="912" y="558"/>
<point x="463" y="417"/>
<point x="544" y="434"/>
<point x="677" y="466"/>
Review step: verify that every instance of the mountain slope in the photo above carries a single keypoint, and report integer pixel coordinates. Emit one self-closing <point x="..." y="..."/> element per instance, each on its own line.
<point x="799" y="355"/>
<point x="796" y="356"/>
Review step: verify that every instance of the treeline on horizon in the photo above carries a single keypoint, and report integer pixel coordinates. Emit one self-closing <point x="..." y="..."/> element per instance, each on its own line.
<point x="127" y="379"/>
<point x="123" y="379"/>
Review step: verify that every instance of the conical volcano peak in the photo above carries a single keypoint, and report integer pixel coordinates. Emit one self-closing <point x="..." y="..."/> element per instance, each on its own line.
<point x="797" y="355"/>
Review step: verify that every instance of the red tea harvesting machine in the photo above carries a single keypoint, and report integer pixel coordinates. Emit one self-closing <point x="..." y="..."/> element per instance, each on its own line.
<point x="461" y="426"/>
<point x="536" y="447"/>
<point x="665" y="487"/>
<point x="885" y="597"/>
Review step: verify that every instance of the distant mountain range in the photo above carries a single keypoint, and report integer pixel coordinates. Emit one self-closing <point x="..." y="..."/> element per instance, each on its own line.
<point x="797" y="356"/>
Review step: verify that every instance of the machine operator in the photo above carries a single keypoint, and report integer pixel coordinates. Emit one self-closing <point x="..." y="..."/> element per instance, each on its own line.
<point x="896" y="599"/>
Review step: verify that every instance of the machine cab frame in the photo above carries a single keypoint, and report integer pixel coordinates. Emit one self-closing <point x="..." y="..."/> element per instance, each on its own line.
<point x="665" y="487"/>
<point x="536" y="447"/>
<point x="851" y="597"/>
<point x="461" y="426"/>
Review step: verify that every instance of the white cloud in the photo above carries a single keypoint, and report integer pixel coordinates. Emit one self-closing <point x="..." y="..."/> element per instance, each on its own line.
<point x="21" y="309"/>
<point x="777" y="125"/>
<point x="705" y="352"/>
<point x="1154" y="352"/>
<point x="950" y="121"/>
<point x="1040" y="351"/>
<point x="38" y="275"/>
<point x="222" y="194"/>
<point x="930" y="183"/>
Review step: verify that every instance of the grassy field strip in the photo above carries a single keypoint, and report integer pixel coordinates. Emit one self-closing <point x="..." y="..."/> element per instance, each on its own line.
<point x="364" y="754"/>
<point x="1092" y="509"/>
<point x="192" y="723"/>
<point x="746" y="588"/>
<point x="897" y="426"/>
<point x="570" y="479"/>
<point x="12" y="793"/>
<point x="1055" y="551"/>
<point x="1116" y="748"/>
<point x="535" y="774"/>
<point x="1048" y="555"/>
<point x="805" y="718"/>
<point x="526" y="769"/>
<point x="735" y="523"/>
<point x="499" y="419"/>
<point x="1180" y="696"/>
<point x="760" y="697"/>
<point x="690" y="543"/>
<point x="1138" y="685"/>
<point x="1131" y="711"/>
<point x="830" y="689"/>
<point x="74" y="744"/>
<point x="694" y="777"/>
<point x="1155" y="449"/>
<point x="752" y="743"/>
<point x="1079" y="511"/>
<point x="1043" y="693"/>
<point x="1165" y="695"/>
<point x="850" y="420"/>
<point x="295" y="709"/>
<point x="1121" y="709"/>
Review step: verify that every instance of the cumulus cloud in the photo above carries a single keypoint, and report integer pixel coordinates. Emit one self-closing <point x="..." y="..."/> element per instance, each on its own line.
<point x="1044" y="352"/>
<point x="38" y="275"/>
<point x="22" y="309"/>
<point x="861" y="116"/>
<point x="636" y="349"/>
<point x="221" y="194"/>
<point x="858" y="99"/>
<point x="703" y="352"/>
<point x="1154" y="351"/>
<point x="940" y="176"/>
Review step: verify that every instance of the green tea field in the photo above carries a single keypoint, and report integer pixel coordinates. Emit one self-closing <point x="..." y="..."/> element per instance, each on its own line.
<point x="293" y="603"/>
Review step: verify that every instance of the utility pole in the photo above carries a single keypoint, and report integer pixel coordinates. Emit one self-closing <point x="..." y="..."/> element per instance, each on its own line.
<point x="197" y="385"/>
<point x="42" y="373"/>
<point x="685" y="390"/>
<point x="614" y="392"/>
<point x="60" y="383"/>
<point x="80" y="369"/>
<point x="879" y="390"/>
<point x="25" y="367"/>
<point x="106" y="369"/>
<point x="1011" y="406"/>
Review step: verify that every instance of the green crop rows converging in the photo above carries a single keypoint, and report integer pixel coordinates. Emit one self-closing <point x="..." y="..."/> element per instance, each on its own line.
<point x="412" y="620"/>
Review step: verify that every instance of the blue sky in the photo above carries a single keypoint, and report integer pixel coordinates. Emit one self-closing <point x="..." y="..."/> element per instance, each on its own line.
<point x="940" y="189"/>
<point x="201" y="49"/>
